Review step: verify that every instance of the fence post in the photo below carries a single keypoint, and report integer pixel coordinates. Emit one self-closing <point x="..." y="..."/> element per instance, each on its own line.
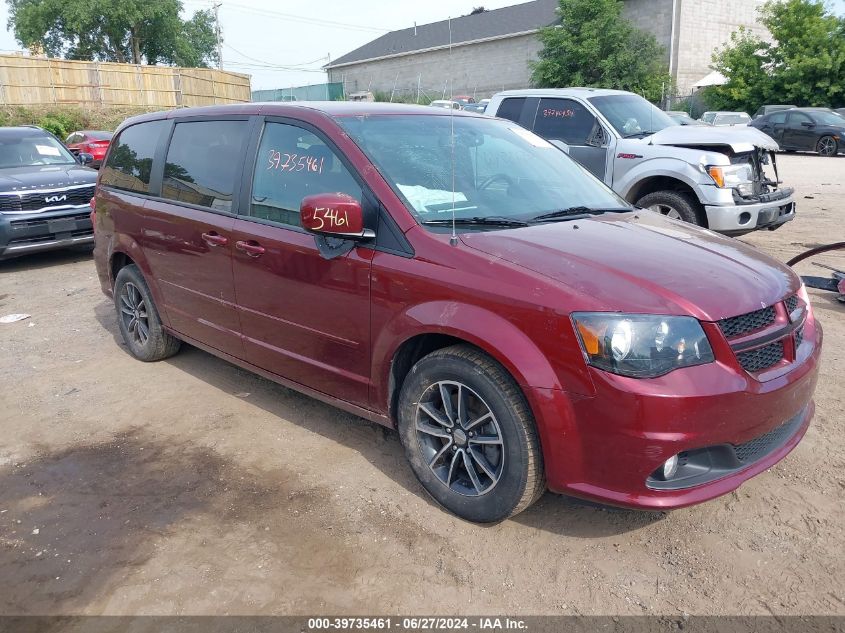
<point x="140" y="83"/>
<point x="97" y="85"/>
<point x="52" y="83"/>
<point x="177" y="86"/>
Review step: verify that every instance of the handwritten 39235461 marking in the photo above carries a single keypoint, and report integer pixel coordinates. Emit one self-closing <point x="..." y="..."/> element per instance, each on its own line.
<point x="286" y="162"/>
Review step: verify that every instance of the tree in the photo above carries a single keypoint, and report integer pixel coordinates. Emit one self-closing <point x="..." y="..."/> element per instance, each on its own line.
<point x="803" y="64"/>
<point x="134" y="31"/>
<point x="594" y="45"/>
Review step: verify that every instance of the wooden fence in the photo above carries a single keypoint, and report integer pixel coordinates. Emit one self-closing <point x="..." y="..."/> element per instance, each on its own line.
<point x="43" y="81"/>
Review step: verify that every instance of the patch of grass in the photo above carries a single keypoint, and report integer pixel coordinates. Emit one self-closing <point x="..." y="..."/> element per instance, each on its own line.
<point x="62" y="120"/>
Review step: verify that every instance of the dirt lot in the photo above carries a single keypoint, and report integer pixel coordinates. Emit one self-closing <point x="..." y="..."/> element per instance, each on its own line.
<point x="193" y="487"/>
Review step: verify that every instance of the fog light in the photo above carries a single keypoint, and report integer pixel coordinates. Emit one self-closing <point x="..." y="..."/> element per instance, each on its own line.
<point x="744" y="217"/>
<point x="670" y="467"/>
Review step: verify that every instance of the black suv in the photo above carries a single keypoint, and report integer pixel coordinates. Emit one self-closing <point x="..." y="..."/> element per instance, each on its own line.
<point x="45" y="193"/>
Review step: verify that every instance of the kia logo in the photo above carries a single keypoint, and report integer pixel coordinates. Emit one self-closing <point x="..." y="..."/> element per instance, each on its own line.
<point x="56" y="198"/>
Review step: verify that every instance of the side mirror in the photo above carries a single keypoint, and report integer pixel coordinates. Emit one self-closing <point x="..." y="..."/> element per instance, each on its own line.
<point x="85" y="158"/>
<point x="334" y="215"/>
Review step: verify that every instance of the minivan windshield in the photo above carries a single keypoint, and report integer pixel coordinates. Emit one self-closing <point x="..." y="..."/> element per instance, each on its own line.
<point x="503" y="174"/>
<point x="32" y="149"/>
<point x="631" y="115"/>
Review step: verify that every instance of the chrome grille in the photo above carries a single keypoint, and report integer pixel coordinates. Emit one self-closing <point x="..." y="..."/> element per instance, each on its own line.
<point x="762" y="357"/>
<point x="18" y="202"/>
<point x="745" y="323"/>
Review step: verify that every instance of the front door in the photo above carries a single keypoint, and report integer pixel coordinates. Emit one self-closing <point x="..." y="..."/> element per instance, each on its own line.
<point x="569" y="122"/>
<point x="799" y="132"/>
<point x="187" y="231"/>
<point x="304" y="316"/>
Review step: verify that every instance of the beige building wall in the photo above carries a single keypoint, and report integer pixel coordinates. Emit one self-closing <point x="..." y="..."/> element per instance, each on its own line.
<point x="706" y="25"/>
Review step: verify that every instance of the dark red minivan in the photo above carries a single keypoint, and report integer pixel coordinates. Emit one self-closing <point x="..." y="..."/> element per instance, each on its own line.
<point x="460" y="279"/>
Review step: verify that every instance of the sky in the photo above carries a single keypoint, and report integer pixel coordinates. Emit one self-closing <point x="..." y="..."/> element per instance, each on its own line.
<point x="284" y="43"/>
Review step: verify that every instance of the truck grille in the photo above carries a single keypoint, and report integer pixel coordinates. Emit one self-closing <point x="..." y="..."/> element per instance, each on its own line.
<point x="21" y="202"/>
<point x="791" y="304"/>
<point x="762" y="357"/>
<point x="745" y="323"/>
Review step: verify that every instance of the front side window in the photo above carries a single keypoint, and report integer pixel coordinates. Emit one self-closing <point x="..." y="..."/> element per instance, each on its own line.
<point x="32" y="148"/>
<point x="797" y="118"/>
<point x="564" y="120"/>
<point x="499" y="169"/>
<point x="201" y="163"/>
<point x="631" y="115"/>
<point x="293" y="163"/>
<point x="130" y="160"/>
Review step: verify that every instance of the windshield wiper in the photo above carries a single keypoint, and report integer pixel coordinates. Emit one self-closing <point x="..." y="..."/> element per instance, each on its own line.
<point x="477" y="221"/>
<point x="571" y="212"/>
<point x="639" y="134"/>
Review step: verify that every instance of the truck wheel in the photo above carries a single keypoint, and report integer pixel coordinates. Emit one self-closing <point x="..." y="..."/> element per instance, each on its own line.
<point x="675" y="205"/>
<point x="470" y="436"/>
<point x="138" y="320"/>
<point x="827" y="146"/>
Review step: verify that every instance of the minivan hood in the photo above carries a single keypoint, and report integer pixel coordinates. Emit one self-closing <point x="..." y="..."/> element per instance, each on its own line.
<point x="45" y="177"/>
<point x="644" y="264"/>
<point x="739" y="139"/>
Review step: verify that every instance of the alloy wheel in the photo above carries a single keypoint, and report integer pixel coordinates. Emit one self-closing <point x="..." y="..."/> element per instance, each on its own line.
<point x="827" y="146"/>
<point x="460" y="438"/>
<point x="667" y="210"/>
<point x="133" y="311"/>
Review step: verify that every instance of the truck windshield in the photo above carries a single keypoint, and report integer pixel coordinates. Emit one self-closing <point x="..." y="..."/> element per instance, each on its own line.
<point x="502" y="172"/>
<point x="24" y="150"/>
<point x="631" y="115"/>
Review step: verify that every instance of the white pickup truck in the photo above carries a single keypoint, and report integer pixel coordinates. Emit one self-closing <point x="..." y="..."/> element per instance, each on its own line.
<point x="724" y="179"/>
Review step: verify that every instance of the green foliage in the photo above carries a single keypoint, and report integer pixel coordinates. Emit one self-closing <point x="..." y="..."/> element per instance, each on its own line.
<point x="134" y="31"/>
<point x="595" y="46"/>
<point x="54" y="126"/>
<point x="61" y="121"/>
<point x="804" y="64"/>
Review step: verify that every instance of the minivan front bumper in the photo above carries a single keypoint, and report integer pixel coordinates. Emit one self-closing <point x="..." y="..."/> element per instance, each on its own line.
<point x="607" y="447"/>
<point x="24" y="233"/>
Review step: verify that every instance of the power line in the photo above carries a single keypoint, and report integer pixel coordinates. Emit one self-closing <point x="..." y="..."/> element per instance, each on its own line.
<point x="266" y="63"/>
<point x="304" y="19"/>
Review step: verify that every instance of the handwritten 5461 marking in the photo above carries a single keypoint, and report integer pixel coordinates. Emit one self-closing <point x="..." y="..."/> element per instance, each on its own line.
<point x="294" y="162"/>
<point x="332" y="217"/>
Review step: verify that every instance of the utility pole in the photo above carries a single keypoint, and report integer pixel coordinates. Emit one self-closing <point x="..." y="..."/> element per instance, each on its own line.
<point x="216" y="8"/>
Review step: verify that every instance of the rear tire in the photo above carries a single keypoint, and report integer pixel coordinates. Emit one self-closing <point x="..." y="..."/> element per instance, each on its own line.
<point x="675" y="205"/>
<point x="138" y="319"/>
<point x="469" y="435"/>
<point x="827" y="146"/>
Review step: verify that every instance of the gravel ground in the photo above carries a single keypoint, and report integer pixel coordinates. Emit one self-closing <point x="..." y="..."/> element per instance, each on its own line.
<point x="193" y="487"/>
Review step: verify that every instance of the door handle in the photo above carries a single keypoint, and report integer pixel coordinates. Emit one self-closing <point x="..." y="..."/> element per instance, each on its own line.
<point x="214" y="239"/>
<point x="251" y="248"/>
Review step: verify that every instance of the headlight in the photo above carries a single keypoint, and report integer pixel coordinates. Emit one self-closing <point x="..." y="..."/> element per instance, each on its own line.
<point x="641" y="345"/>
<point x="732" y="176"/>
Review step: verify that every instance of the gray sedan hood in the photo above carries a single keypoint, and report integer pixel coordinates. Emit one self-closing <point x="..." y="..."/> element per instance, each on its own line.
<point x="739" y="139"/>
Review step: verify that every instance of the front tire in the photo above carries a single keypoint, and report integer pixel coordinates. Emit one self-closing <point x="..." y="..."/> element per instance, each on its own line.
<point x="827" y="146"/>
<point x="138" y="319"/>
<point x="469" y="435"/>
<point x="675" y="205"/>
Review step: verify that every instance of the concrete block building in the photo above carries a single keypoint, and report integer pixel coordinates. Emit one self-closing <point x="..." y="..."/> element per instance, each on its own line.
<point x="491" y="51"/>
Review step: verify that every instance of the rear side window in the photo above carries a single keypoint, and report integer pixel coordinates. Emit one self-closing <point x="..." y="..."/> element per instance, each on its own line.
<point x="293" y="163"/>
<point x="565" y="120"/>
<point x="778" y="117"/>
<point x="130" y="160"/>
<point x="511" y="109"/>
<point x="202" y="161"/>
